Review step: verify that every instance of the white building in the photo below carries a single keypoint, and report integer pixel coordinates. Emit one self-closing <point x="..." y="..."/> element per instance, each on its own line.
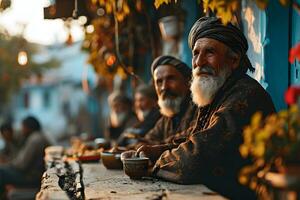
<point x="59" y="95"/>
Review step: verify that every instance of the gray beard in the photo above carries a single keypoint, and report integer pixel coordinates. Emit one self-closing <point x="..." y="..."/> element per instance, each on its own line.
<point x="142" y="114"/>
<point x="204" y="88"/>
<point x="118" y="119"/>
<point x="169" y="107"/>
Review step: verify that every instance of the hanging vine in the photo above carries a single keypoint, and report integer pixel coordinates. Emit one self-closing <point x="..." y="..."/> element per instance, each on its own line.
<point x="119" y="39"/>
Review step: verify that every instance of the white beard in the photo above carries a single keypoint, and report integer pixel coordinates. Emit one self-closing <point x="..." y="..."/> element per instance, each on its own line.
<point x="142" y="114"/>
<point x="117" y="119"/>
<point x="169" y="107"/>
<point x="204" y="88"/>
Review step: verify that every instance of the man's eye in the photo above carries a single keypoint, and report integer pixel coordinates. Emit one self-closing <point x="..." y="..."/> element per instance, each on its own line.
<point x="210" y="51"/>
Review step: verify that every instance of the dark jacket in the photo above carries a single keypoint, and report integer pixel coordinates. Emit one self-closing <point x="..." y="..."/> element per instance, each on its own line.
<point x="10" y="150"/>
<point x="167" y="127"/>
<point x="149" y="122"/>
<point x="30" y="159"/>
<point x="113" y="133"/>
<point x="210" y="155"/>
<point x="139" y="129"/>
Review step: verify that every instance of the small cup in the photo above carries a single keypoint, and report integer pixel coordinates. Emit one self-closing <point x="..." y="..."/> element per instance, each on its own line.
<point x="136" y="168"/>
<point x="111" y="160"/>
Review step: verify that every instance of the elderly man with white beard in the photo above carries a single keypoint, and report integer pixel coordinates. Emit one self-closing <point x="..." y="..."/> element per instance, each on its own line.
<point x="226" y="98"/>
<point x="121" y="116"/>
<point x="171" y="79"/>
<point x="147" y="112"/>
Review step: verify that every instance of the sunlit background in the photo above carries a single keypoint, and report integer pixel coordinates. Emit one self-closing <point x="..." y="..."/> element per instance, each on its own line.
<point x="57" y="95"/>
<point x="26" y="17"/>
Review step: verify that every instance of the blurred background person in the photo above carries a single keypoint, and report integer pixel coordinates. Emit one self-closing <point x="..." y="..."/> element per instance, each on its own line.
<point x="121" y="115"/>
<point x="147" y="112"/>
<point x="145" y="103"/>
<point x="28" y="166"/>
<point x="11" y="145"/>
<point x="172" y="81"/>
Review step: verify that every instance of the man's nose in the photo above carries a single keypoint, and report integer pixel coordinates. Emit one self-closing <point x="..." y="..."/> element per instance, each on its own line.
<point x="164" y="85"/>
<point x="198" y="61"/>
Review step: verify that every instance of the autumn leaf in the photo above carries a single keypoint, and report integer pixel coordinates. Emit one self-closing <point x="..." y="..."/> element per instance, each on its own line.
<point x="225" y="15"/>
<point x="292" y="94"/>
<point x="256" y="119"/>
<point x="158" y="3"/>
<point x="223" y="9"/>
<point x="295" y="53"/>
<point x="262" y="4"/>
<point x="284" y="2"/>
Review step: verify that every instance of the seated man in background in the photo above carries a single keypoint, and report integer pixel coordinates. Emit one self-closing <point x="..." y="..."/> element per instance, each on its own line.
<point x="146" y="109"/>
<point x="121" y="116"/>
<point x="28" y="166"/>
<point x="226" y="98"/>
<point x="11" y="146"/>
<point x="171" y="79"/>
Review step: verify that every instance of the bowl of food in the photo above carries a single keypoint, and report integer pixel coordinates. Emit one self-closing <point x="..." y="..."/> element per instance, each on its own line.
<point x="102" y="143"/>
<point x="136" y="167"/>
<point x="111" y="160"/>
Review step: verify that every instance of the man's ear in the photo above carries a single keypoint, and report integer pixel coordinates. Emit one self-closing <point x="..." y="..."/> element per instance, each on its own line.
<point x="235" y="60"/>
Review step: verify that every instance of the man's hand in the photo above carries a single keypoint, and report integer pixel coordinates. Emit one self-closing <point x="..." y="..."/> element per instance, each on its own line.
<point x="152" y="152"/>
<point x="128" y="154"/>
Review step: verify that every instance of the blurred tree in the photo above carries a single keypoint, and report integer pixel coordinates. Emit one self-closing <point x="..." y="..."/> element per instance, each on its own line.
<point x="11" y="72"/>
<point x="4" y="4"/>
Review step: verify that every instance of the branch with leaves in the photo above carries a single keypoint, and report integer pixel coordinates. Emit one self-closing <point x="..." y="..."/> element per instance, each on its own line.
<point x="225" y="9"/>
<point x="120" y="36"/>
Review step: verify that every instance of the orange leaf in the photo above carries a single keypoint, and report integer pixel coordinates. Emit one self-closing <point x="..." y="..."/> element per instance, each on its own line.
<point x="294" y="53"/>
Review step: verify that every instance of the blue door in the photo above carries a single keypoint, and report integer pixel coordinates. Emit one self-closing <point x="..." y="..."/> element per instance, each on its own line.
<point x="295" y="39"/>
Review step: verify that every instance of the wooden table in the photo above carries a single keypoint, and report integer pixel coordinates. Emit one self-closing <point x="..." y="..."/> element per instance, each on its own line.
<point x="68" y="178"/>
<point x="100" y="183"/>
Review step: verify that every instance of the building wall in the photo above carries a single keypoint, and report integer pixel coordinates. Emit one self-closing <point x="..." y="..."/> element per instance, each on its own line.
<point x="59" y="98"/>
<point x="193" y="12"/>
<point x="268" y="36"/>
<point x="276" y="52"/>
<point x="295" y="39"/>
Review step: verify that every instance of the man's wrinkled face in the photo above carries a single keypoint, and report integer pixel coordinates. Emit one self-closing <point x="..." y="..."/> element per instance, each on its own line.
<point x="7" y="135"/>
<point x="25" y="130"/>
<point x="119" y="113"/>
<point x="119" y="107"/>
<point x="143" y="105"/>
<point x="169" y="82"/>
<point x="171" y="87"/>
<point x="212" y="64"/>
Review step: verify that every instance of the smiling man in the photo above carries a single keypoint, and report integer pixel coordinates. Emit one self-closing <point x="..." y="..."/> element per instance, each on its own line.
<point x="172" y="81"/>
<point x="226" y="98"/>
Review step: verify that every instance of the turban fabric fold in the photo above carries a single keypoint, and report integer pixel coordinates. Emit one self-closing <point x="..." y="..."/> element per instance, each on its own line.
<point x="230" y="35"/>
<point x="180" y="66"/>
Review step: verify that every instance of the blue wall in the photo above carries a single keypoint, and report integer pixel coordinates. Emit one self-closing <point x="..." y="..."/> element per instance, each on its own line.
<point x="193" y="12"/>
<point x="276" y="52"/>
<point x="295" y="39"/>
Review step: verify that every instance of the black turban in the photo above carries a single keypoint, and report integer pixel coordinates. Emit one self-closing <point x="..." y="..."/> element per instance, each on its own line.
<point x="231" y="36"/>
<point x="180" y="66"/>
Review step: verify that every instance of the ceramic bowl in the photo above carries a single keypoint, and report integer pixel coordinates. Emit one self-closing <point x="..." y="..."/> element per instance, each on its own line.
<point x="136" y="168"/>
<point x="102" y="143"/>
<point x="111" y="160"/>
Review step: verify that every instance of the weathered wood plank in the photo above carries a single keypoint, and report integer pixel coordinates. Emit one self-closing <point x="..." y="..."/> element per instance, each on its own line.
<point x="101" y="183"/>
<point x="50" y="189"/>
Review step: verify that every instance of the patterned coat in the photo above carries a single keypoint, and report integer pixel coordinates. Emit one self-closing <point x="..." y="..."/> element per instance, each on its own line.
<point x="167" y="127"/>
<point x="210" y="153"/>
